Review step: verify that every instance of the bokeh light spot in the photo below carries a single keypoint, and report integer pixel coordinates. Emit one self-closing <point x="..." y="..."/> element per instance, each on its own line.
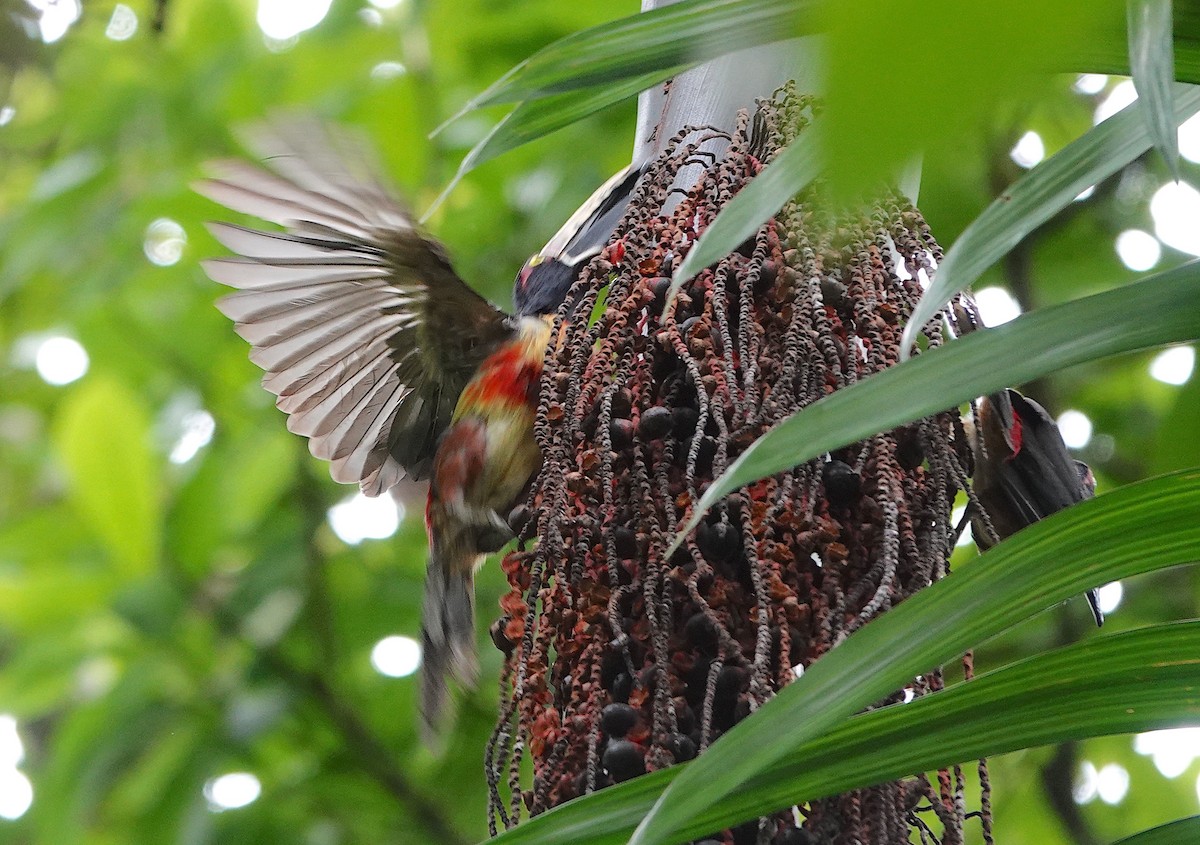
<point x="1138" y="250"/>
<point x="1112" y="783"/>
<point x="1175" y="208"/>
<point x="396" y="656"/>
<point x="1075" y="428"/>
<point x="1174" y="365"/>
<point x="56" y="17"/>
<point x="16" y="794"/>
<point x="228" y="792"/>
<point x="281" y="20"/>
<point x="1122" y="95"/>
<point x="361" y="518"/>
<point x="1189" y="138"/>
<point x="1109" y="596"/>
<point x="12" y="751"/>
<point x="996" y="306"/>
<point x="61" y="360"/>
<point x="1084" y="789"/>
<point x="123" y="23"/>
<point x="1090" y="83"/>
<point x="384" y="71"/>
<point x="1029" y="150"/>
<point x="197" y="432"/>
<point x="164" y="242"/>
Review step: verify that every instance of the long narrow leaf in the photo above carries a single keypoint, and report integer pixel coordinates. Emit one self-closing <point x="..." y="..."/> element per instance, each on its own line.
<point x="1038" y="196"/>
<point x="1181" y="832"/>
<point x="1152" y="63"/>
<point x="1029" y="347"/>
<point x="534" y="118"/>
<point x="686" y="33"/>
<point x="1139" y="528"/>
<point x="1033" y="701"/>
<point x="1101" y="687"/>
<point x="784" y="177"/>
<point x="603" y="89"/>
<point x="1097" y="688"/>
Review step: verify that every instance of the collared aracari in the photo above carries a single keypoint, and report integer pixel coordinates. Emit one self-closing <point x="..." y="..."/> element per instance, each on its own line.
<point x="386" y="359"/>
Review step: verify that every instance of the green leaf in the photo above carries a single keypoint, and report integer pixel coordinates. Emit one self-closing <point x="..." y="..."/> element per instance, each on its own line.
<point x="103" y="438"/>
<point x="1099" y="687"/>
<point x="1035" y="198"/>
<point x="659" y="42"/>
<point x="1181" y="832"/>
<point x="1029" y="347"/>
<point x="1152" y="63"/>
<point x="784" y="177"/>
<point x="533" y="119"/>
<point x="1139" y="528"/>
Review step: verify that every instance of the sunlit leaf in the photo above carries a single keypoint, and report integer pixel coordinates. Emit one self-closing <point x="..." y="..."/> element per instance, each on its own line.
<point x="103" y="437"/>
<point x="1152" y="63"/>
<point x="1038" y="196"/>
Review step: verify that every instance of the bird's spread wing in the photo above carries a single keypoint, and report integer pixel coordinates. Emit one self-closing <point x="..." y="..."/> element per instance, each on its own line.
<point x="366" y="333"/>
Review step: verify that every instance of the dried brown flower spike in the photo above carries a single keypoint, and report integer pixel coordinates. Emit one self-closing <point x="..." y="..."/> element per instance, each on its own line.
<point x="621" y="661"/>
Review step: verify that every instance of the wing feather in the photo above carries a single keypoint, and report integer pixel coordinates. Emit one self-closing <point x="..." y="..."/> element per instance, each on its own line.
<point x="366" y="333"/>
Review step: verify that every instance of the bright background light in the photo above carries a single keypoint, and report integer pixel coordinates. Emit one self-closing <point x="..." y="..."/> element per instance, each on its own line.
<point x="1029" y="150"/>
<point x="16" y="794"/>
<point x="396" y="656"/>
<point x="1085" y="783"/>
<point x="1090" y="83"/>
<point x="61" y="360"/>
<point x="56" y="18"/>
<point x="1112" y="783"/>
<point x="361" y="518"/>
<point x="123" y="23"/>
<point x="164" y="242"/>
<point x="1109" y="596"/>
<point x="12" y="750"/>
<point x="996" y="306"/>
<point x="1075" y="428"/>
<point x="197" y="432"/>
<point x="1172" y="750"/>
<point x="1175" y="208"/>
<point x="1138" y="250"/>
<point x="284" y="19"/>
<point x="228" y="792"/>
<point x="1174" y="365"/>
<point x="1122" y="95"/>
<point x="1189" y="138"/>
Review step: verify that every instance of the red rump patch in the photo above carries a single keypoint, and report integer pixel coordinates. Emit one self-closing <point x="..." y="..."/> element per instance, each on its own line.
<point x="459" y="460"/>
<point x="1015" y="433"/>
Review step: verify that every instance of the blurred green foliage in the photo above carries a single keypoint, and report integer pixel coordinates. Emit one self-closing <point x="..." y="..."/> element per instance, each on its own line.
<point x="163" y="623"/>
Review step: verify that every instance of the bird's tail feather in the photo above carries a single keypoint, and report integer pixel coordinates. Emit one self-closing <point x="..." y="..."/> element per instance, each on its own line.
<point x="448" y="622"/>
